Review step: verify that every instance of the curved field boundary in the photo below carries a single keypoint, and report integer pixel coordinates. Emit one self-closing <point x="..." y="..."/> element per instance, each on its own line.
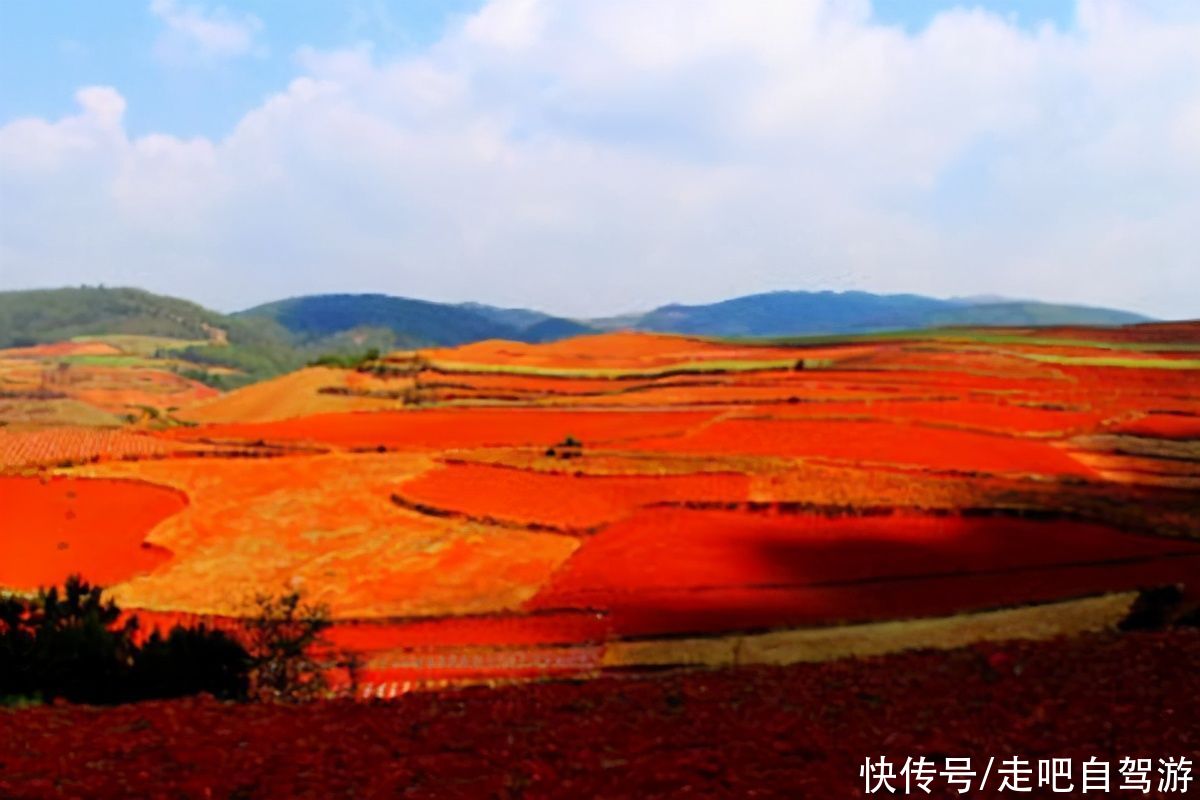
<point x="53" y="527"/>
<point x="568" y="502"/>
<point x="439" y="512"/>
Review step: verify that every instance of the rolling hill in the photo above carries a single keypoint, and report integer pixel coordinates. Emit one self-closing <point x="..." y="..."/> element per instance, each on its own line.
<point x="798" y="313"/>
<point x="413" y="322"/>
<point x="48" y="315"/>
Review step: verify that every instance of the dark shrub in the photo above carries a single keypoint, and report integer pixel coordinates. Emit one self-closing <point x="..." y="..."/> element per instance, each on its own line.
<point x="72" y="644"/>
<point x="191" y="661"/>
<point x="281" y="635"/>
<point x="1154" y="609"/>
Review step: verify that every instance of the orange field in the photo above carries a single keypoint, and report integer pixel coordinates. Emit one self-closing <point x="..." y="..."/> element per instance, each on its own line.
<point x="624" y="350"/>
<point x="437" y="510"/>
<point x="57" y="349"/>
<point x="562" y="500"/>
<point x="56" y="526"/>
<point x="872" y="442"/>
<point x="437" y="429"/>
<point x="974" y="413"/>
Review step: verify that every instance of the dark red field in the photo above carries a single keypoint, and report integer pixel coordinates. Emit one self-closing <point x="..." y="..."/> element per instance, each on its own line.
<point x="669" y="571"/>
<point x="798" y="731"/>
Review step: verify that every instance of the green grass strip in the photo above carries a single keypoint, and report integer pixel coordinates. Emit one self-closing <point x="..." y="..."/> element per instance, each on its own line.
<point x="1114" y="361"/>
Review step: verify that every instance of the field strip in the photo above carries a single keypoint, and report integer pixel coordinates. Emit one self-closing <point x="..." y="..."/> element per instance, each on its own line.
<point x="1113" y="361"/>
<point x="713" y="366"/>
<point x="875" y="638"/>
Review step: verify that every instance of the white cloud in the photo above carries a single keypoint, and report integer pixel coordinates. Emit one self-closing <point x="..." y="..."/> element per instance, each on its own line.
<point x="193" y="32"/>
<point x="607" y="155"/>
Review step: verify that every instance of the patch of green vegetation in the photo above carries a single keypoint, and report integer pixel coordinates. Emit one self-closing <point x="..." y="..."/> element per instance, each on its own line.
<point x="113" y="361"/>
<point x="413" y="323"/>
<point x="346" y="361"/>
<point x="1115" y="361"/>
<point x="214" y="380"/>
<point x="251" y="363"/>
<point x="53" y="315"/>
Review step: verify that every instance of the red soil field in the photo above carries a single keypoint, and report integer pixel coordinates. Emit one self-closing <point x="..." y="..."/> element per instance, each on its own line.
<point x="58" y="526"/>
<point x="478" y="427"/>
<point x="537" y="385"/>
<point x="1118" y="381"/>
<point x="558" y="627"/>
<point x="1161" y="426"/>
<point x="731" y="394"/>
<point x="873" y="442"/>
<point x="673" y="612"/>
<point x="766" y="732"/>
<point x="627" y="351"/>
<point x="1146" y="332"/>
<point x="942" y="381"/>
<point x="979" y="415"/>
<point x="562" y="500"/>
<point x="672" y="570"/>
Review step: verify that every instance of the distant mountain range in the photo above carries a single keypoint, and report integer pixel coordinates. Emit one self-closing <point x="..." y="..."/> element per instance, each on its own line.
<point x="802" y="313"/>
<point x="279" y="336"/>
<point x="418" y="322"/>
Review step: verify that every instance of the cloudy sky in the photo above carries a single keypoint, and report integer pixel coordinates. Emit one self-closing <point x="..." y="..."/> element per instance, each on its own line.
<point x="599" y="156"/>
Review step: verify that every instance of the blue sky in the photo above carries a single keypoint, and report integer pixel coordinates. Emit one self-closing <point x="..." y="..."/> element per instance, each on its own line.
<point x="49" y="48"/>
<point x="600" y="156"/>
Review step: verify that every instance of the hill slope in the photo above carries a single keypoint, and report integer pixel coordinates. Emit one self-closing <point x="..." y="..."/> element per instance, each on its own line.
<point x="414" y="322"/>
<point x="254" y="348"/>
<point x="1029" y="313"/>
<point x="48" y="315"/>
<point x="796" y="313"/>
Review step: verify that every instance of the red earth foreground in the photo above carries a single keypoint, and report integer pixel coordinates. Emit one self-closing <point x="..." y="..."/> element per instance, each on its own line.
<point x="799" y="731"/>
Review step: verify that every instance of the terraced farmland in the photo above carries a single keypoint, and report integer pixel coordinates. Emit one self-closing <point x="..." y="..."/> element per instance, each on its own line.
<point x="501" y="510"/>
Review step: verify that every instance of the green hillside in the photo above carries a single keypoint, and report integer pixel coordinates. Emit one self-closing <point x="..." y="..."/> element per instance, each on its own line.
<point x="804" y="313"/>
<point x="254" y="348"/>
<point x="1019" y="314"/>
<point x="414" y="322"/>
